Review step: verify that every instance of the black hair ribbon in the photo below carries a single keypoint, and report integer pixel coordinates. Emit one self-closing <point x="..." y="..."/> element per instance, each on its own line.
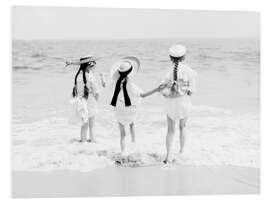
<point x="121" y="80"/>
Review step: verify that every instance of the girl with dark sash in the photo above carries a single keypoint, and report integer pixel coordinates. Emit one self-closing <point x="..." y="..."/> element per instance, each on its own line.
<point x="126" y="96"/>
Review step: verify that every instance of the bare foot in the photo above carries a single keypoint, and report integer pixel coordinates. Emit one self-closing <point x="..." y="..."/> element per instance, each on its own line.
<point x="92" y="141"/>
<point x="167" y="161"/>
<point x="118" y="162"/>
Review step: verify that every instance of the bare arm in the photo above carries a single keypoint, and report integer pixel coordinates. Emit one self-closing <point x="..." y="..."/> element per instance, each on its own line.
<point x="192" y="88"/>
<point x="149" y="93"/>
<point x="96" y="96"/>
<point x="102" y="79"/>
<point x="157" y="89"/>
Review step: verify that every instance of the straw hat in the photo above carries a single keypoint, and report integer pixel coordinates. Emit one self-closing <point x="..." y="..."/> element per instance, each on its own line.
<point x="177" y="50"/>
<point x="89" y="59"/>
<point x="125" y="64"/>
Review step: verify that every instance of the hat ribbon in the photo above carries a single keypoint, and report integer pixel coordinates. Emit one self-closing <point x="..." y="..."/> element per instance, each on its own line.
<point x="122" y="79"/>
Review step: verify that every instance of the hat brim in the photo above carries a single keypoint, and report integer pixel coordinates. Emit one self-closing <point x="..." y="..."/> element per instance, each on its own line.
<point x="135" y="63"/>
<point x="88" y="58"/>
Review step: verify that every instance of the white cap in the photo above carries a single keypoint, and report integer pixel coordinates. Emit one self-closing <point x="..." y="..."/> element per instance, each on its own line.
<point x="177" y="50"/>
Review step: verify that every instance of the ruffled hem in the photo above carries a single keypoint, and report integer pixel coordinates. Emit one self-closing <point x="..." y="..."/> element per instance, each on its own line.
<point x="125" y="115"/>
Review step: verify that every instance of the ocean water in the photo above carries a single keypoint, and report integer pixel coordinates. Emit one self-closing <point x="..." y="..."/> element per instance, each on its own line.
<point x="223" y="129"/>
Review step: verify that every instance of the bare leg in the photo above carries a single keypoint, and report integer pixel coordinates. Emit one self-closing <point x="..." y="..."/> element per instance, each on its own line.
<point x="132" y="132"/>
<point x="84" y="132"/>
<point x="123" y="137"/>
<point x="182" y="133"/>
<point x="169" y="138"/>
<point x="91" y="122"/>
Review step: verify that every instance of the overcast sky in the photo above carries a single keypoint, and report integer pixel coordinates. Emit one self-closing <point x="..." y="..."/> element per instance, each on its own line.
<point x="111" y="23"/>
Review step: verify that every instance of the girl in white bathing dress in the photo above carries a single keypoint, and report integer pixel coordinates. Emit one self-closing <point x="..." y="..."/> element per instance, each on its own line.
<point x="85" y="95"/>
<point x="181" y="84"/>
<point x="126" y="96"/>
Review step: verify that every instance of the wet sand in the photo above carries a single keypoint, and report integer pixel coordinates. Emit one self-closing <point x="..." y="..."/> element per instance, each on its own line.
<point x="141" y="181"/>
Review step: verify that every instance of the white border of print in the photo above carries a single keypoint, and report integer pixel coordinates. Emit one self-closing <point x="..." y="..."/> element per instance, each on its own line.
<point x="5" y="115"/>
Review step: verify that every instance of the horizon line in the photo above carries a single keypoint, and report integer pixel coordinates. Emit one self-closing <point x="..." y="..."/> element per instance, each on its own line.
<point x="139" y="38"/>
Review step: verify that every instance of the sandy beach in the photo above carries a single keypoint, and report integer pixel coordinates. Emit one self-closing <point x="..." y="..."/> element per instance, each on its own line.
<point x="142" y="181"/>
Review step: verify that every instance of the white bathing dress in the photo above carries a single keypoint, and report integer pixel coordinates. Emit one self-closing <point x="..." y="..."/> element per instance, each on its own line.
<point x="82" y="109"/>
<point x="127" y="114"/>
<point x="179" y="107"/>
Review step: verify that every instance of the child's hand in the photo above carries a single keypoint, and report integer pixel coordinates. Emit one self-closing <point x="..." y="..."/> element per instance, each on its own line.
<point x="161" y="87"/>
<point x="189" y="93"/>
<point x="68" y="63"/>
<point x="96" y="96"/>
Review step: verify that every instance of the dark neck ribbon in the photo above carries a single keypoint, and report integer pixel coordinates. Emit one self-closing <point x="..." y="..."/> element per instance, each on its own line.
<point x="121" y="80"/>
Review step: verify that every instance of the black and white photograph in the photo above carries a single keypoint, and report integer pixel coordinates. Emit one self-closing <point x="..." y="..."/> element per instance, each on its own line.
<point x="134" y="102"/>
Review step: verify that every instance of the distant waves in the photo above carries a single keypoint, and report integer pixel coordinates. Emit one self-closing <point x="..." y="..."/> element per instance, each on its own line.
<point x="17" y="68"/>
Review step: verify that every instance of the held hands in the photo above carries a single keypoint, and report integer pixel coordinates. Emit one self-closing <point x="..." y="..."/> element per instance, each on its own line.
<point x="158" y="89"/>
<point x="161" y="87"/>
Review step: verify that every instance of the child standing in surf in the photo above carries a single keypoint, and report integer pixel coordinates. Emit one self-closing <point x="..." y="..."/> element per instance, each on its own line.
<point x="85" y="95"/>
<point x="126" y="96"/>
<point x="181" y="84"/>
